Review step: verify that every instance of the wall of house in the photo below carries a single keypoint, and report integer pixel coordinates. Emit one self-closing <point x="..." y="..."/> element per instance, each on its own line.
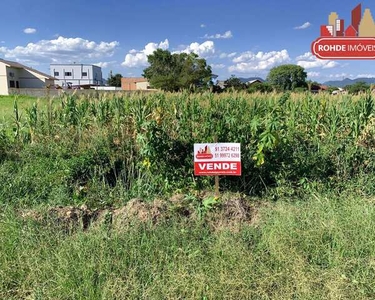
<point x="30" y="79"/>
<point x="131" y="83"/>
<point x="128" y="85"/>
<point x="78" y="77"/>
<point x="3" y="80"/>
<point x="98" y="76"/>
<point x="142" y="85"/>
<point x="14" y="79"/>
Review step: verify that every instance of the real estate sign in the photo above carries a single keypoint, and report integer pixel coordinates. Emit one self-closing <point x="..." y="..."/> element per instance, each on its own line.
<point x="217" y="159"/>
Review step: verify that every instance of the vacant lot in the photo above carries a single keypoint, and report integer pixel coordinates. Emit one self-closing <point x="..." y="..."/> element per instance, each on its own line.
<point x="98" y="201"/>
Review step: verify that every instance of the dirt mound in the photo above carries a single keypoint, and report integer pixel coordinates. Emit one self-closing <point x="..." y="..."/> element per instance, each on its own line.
<point x="230" y="212"/>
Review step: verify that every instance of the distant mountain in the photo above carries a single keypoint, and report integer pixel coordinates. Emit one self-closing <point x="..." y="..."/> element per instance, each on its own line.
<point x="347" y="81"/>
<point x="250" y="79"/>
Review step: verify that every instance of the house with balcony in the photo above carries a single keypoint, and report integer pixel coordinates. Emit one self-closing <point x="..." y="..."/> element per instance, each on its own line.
<point x="77" y="75"/>
<point x="15" y="76"/>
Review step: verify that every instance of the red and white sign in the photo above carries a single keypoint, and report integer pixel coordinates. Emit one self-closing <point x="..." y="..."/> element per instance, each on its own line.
<point x="344" y="48"/>
<point x="217" y="159"/>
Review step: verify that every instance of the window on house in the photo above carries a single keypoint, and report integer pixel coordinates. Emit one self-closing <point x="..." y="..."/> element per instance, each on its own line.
<point x="12" y="84"/>
<point x="56" y="73"/>
<point x="84" y="74"/>
<point x="11" y="74"/>
<point x="68" y="73"/>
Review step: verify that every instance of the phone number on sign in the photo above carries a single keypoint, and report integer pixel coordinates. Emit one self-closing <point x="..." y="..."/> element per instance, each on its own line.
<point x="227" y="149"/>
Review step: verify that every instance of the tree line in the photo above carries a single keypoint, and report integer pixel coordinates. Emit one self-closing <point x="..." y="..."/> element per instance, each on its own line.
<point x="187" y="71"/>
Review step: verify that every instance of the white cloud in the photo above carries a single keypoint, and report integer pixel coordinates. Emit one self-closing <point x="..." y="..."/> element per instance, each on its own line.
<point x="309" y="61"/>
<point x="229" y="55"/>
<point x="313" y="74"/>
<point x="303" y="26"/>
<point x="135" y="59"/>
<point x="365" y="76"/>
<point x="352" y="76"/>
<point x="340" y="76"/>
<point x="217" y="66"/>
<point x="203" y="50"/>
<point x="249" y="61"/>
<point x="61" y="50"/>
<point x="138" y="58"/>
<point x="226" y="35"/>
<point x="104" y="64"/>
<point x="203" y="26"/>
<point x="2" y="42"/>
<point x="29" y="30"/>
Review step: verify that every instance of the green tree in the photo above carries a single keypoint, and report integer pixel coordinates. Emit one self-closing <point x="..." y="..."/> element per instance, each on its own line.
<point x="173" y="72"/>
<point x="358" y="87"/>
<point x="234" y="83"/>
<point x="114" y="80"/>
<point x="263" y="87"/>
<point x="287" y="77"/>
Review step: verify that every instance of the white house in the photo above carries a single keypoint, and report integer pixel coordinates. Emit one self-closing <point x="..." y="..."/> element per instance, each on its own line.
<point x="14" y="75"/>
<point x="76" y="75"/>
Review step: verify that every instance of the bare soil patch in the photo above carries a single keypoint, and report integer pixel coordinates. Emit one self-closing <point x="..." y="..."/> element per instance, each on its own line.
<point x="229" y="212"/>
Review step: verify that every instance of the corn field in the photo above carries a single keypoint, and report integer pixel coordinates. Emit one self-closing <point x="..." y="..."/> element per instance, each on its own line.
<point x="108" y="147"/>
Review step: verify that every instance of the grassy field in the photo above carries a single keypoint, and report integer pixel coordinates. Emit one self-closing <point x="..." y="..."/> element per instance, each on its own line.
<point x="7" y="104"/>
<point x="322" y="248"/>
<point x="308" y="181"/>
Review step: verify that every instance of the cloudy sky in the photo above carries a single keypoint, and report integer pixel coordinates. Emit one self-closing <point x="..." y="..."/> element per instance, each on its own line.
<point x="244" y="38"/>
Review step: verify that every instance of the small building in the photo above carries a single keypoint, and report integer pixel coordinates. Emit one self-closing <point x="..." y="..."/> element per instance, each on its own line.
<point x="251" y="82"/>
<point x="134" y="84"/>
<point x="221" y="84"/>
<point x="318" y="88"/>
<point x="14" y="75"/>
<point x="339" y="91"/>
<point x="76" y="75"/>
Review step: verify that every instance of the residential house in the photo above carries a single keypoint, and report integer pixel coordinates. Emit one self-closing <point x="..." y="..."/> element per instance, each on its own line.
<point x="339" y="91"/>
<point x="134" y="83"/>
<point x="251" y="82"/>
<point x="221" y="84"/>
<point x="14" y="75"/>
<point x="77" y="75"/>
<point x="318" y="88"/>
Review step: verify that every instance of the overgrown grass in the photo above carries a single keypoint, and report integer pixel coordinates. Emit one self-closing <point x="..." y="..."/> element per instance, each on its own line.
<point x="7" y="105"/>
<point x="322" y="248"/>
<point x="310" y="158"/>
<point x="99" y="150"/>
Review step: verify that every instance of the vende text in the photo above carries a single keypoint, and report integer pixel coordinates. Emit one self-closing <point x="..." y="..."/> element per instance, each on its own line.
<point x="214" y="168"/>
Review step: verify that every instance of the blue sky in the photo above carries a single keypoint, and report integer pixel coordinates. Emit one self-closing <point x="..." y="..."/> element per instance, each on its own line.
<point x="244" y="38"/>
